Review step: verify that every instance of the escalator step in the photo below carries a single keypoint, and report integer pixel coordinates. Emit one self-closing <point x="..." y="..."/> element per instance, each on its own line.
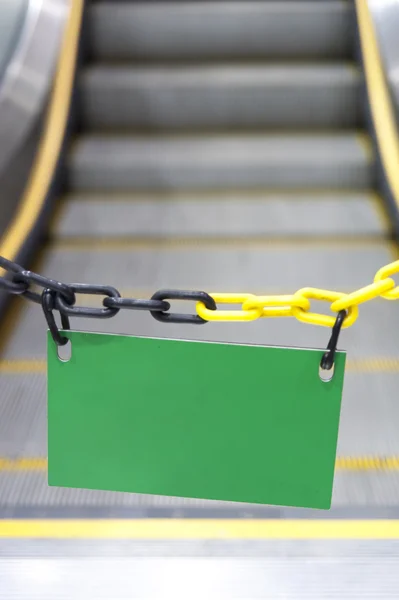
<point x="175" y="97"/>
<point x="336" y="160"/>
<point x="168" y="215"/>
<point x="217" y="30"/>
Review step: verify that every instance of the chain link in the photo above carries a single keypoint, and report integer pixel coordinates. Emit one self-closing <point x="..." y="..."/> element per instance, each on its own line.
<point x="298" y="305"/>
<point x="18" y="281"/>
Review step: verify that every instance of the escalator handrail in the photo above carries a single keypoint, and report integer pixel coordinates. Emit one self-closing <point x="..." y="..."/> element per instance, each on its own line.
<point x="381" y="106"/>
<point x="47" y="155"/>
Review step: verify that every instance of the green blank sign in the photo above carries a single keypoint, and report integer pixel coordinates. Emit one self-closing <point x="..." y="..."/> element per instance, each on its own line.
<point x="193" y="419"/>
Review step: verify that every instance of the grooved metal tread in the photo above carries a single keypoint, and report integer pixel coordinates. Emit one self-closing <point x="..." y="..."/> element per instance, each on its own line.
<point x="351" y="575"/>
<point x="215" y="30"/>
<point x="29" y="490"/>
<point x="355" y="552"/>
<point x="225" y="214"/>
<point x="167" y="162"/>
<point x="221" y="96"/>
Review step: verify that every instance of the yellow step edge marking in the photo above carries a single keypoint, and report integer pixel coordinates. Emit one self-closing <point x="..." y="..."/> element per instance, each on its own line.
<point x="343" y="463"/>
<point x="209" y="133"/>
<point x="194" y="529"/>
<point x="133" y="196"/>
<point x="357" y="365"/>
<point x="121" y="244"/>
<point x="22" y="464"/>
<point x="373" y="365"/>
<point x="11" y="367"/>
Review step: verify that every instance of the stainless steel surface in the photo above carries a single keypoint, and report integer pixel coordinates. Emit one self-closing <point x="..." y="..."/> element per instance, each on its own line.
<point x="385" y="14"/>
<point x="12" y="14"/>
<point x="337" y="570"/>
<point x="310" y="549"/>
<point x="29" y="73"/>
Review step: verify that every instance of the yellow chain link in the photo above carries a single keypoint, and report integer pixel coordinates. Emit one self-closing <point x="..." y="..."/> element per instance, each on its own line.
<point x="298" y="305"/>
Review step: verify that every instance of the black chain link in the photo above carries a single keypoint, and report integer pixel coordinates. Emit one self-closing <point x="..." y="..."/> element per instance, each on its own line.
<point x="63" y="305"/>
<point x="59" y="296"/>
<point x="328" y="358"/>
<point x="48" y="301"/>
<point x="166" y="317"/>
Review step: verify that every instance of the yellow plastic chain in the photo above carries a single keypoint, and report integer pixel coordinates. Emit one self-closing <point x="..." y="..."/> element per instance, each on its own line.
<point x="298" y="305"/>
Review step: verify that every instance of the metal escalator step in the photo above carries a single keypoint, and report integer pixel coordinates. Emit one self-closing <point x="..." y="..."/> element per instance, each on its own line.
<point x="140" y="272"/>
<point x="177" y="30"/>
<point x="29" y="490"/>
<point x="273" y="96"/>
<point x="167" y="162"/>
<point x="225" y="214"/>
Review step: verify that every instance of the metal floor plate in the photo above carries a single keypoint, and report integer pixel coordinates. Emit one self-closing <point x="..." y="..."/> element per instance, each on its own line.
<point x="344" y="571"/>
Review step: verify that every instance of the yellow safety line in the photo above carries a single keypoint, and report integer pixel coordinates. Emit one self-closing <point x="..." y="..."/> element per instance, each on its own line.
<point x="17" y="367"/>
<point x="194" y="529"/>
<point x="121" y="244"/>
<point x="209" y="195"/>
<point x="374" y="364"/>
<point x="383" y="364"/>
<point x="343" y="463"/>
<point x="22" y="464"/>
<point x="382" y="110"/>
<point x="50" y="145"/>
<point x="231" y="134"/>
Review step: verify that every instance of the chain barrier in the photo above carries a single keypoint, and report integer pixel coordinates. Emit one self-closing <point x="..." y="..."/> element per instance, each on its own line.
<point x="62" y="297"/>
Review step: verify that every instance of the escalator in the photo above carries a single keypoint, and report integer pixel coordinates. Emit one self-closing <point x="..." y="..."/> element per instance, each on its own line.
<point x="221" y="146"/>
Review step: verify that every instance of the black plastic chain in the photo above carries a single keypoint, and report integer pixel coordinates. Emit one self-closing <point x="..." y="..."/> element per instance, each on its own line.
<point x="328" y="358"/>
<point x="55" y="295"/>
<point x="48" y="297"/>
<point x="166" y="317"/>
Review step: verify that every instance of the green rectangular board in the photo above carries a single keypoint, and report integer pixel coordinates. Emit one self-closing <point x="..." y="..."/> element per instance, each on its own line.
<point x="193" y="419"/>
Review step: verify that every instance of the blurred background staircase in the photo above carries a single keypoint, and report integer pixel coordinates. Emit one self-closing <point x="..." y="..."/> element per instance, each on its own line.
<point x="221" y="146"/>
